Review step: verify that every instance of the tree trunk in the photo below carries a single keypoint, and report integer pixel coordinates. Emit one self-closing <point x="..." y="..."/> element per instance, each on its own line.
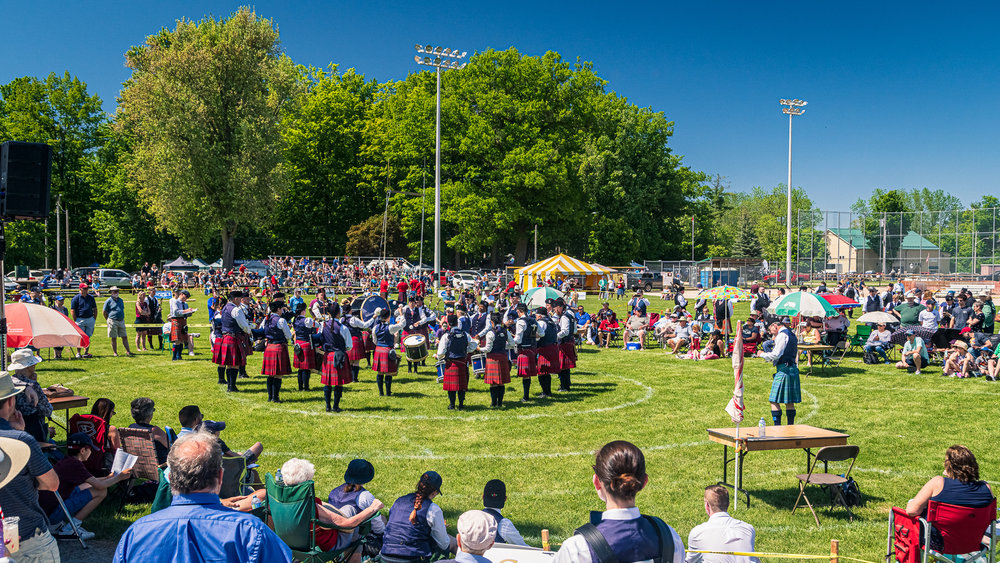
<point x="228" y="246"/>
<point x="493" y="255"/>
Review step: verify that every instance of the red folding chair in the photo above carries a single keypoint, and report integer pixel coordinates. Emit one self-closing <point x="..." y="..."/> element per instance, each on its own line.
<point x="97" y="428"/>
<point x="961" y="528"/>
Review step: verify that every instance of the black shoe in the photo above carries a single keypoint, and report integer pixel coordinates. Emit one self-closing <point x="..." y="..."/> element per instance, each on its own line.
<point x="525" y="400"/>
<point x="451" y="407"/>
<point x="278" y="401"/>
<point x="232" y="390"/>
<point x="337" y="409"/>
<point x="328" y="409"/>
<point x="544" y="396"/>
<point x="563" y="390"/>
<point x="461" y="407"/>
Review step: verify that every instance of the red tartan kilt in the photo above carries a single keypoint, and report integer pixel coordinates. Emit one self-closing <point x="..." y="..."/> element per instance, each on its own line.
<point x="332" y="375"/>
<point x="526" y="363"/>
<point x="305" y="359"/>
<point x="276" y="360"/>
<point x="178" y="330"/>
<point x="247" y="344"/>
<point x="548" y="359"/>
<point x="456" y="375"/>
<point x="567" y="355"/>
<point x="357" y="351"/>
<point x="231" y="352"/>
<point x="382" y="363"/>
<point x="366" y="337"/>
<point x="497" y="369"/>
<point x="217" y="351"/>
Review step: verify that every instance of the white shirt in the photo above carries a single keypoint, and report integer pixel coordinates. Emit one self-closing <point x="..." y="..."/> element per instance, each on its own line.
<point x="470" y="347"/>
<point x="508" y="531"/>
<point x="576" y="550"/>
<point x="838" y="323"/>
<point x="366" y="498"/>
<point x="722" y="532"/>
<point x="435" y="520"/>
<point x="283" y="325"/>
<point x="880" y="337"/>
<point x="564" y="325"/>
<point x="929" y="319"/>
<point x="780" y="341"/>
<point x="241" y="319"/>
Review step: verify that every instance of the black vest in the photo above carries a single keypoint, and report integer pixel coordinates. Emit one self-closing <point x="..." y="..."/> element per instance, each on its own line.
<point x="355" y="331"/>
<point x="458" y="344"/>
<point x="229" y="325"/>
<point x="549" y="336"/>
<point x="410" y="317"/>
<point x="273" y="332"/>
<point x="571" y="337"/>
<point x="530" y="330"/>
<point x="332" y="338"/>
<point x="499" y="340"/>
<point x="302" y="332"/>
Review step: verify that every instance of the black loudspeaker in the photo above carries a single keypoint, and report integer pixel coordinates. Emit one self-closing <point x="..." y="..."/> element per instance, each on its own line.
<point x="25" y="177"/>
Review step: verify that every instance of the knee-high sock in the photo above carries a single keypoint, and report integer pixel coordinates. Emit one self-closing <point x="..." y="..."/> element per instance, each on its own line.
<point x="326" y="395"/>
<point x="178" y="348"/>
<point x="355" y="370"/>
<point x="790" y="414"/>
<point x="222" y="375"/>
<point x="379" y="380"/>
<point x="277" y="389"/>
<point x="776" y="417"/>
<point x="270" y="389"/>
<point x="388" y="386"/>
<point x="451" y="398"/>
<point x="243" y="371"/>
<point x="501" y="392"/>
<point x="305" y="377"/>
<point x="338" y="392"/>
<point x="461" y="399"/>
<point x="231" y="379"/>
<point x="300" y="380"/>
<point x="526" y="384"/>
<point x="564" y="379"/>
<point x="546" y="382"/>
<point x="494" y="394"/>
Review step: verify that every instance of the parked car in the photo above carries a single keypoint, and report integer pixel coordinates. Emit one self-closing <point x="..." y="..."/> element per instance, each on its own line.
<point x="464" y="280"/>
<point x="108" y="277"/>
<point x="646" y="281"/>
<point x="10" y="285"/>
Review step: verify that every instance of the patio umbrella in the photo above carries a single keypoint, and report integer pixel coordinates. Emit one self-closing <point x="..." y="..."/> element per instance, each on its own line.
<point x="735" y="407"/>
<point x="29" y="324"/>
<point x="899" y="335"/>
<point x="536" y="296"/>
<point x="725" y="292"/>
<point x="839" y="301"/>
<point x="801" y="303"/>
<point x="878" y="317"/>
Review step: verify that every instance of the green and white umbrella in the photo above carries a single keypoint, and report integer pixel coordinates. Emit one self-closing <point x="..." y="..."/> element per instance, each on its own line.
<point x="804" y="304"/>
<point x="536" y="296"/>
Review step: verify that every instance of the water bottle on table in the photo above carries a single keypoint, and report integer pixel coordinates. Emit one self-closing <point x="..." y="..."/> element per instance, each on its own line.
<point x="761" y="427"/>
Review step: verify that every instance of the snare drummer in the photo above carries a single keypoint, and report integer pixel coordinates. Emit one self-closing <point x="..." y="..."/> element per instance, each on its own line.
<point x="524" y="337"/>
<point x="567" y="342"/>
<point x="355" y="326"/>
<point x="454" y="348"/>
<point x="386" y="364"/>
<point x="548" y="351"/>
<point x="414" y="322"/>
<point x="304" y="359"/>
<point x="495" y="345"/>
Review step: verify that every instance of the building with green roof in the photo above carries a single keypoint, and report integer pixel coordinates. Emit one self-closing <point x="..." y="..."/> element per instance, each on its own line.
<point x="849" y="251"/>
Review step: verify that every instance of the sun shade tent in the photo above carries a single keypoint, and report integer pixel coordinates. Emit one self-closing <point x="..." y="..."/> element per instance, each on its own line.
<point x="556" y="266"/>
<point x="180" y="264"/>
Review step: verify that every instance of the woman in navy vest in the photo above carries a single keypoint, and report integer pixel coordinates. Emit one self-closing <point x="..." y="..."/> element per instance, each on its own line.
<point x="415" y="529"/>
<point x="359" y="346"/>
<point x="336" y="369"/>
<point x="386" y="362"/>
<point x="495" y="346"/>
<point x="548" y="350"/>
<point x="454" y="348"/>
<point x="525" y="331"/>
<point x="304" y="358"/>
<point x="276" y="363"/>
<point x="619" y="474"/>
<point x="219" y="304"/>
<point x="352" y="498"/>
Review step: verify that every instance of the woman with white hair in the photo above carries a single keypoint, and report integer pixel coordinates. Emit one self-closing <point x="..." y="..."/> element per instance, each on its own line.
<point x="328" y="537"/>
<point x="33" y="404"/>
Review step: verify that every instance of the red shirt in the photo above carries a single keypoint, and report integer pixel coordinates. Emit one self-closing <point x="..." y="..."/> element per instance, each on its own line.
<point x="511" y="285"/>
<point x="414" y="283"/>
<point x="401" y="286"/>
<point x="383" y="286"/>
<point x="326" y="538"/>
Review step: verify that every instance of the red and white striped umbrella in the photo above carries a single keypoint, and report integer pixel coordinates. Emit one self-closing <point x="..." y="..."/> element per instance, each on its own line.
<point x="735" y="407"/>
<point x="39" y="326"/>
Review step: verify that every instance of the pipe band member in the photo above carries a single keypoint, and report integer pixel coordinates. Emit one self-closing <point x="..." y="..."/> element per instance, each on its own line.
<point x="216" y="336"/>
<point x="179" y="313"/>
<point x="525" y="334"/>
<point x="304" y="359"/>
<point x="276" y="364"/>
<point x="566" y="336"/>
<point x="386" y="362"/>
<point x="232" y="354"/>
<point x="414" y="322"/>
<point x="359" y="347"/>
<point x="548" y="350"/>
<point x="337" y="371"/>
<point x="454" y="348"/>
<point x="785" y="386"/>
<point x="496" y="345"/>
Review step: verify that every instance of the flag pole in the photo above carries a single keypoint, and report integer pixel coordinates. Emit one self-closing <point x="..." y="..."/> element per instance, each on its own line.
<point x="736" y="477"/>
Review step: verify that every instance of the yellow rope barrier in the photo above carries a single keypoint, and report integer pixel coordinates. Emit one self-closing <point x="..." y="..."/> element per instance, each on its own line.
<point x="780" y="555"/>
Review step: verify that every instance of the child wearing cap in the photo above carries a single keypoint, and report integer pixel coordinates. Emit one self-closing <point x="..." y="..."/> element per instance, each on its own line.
<point x="476" y="533"/>
<point x="81" y="492"/>
<point x="494" y="499"/>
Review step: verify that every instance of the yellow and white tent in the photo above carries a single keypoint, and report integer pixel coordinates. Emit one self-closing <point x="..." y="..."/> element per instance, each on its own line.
<point x="556" y="266"/>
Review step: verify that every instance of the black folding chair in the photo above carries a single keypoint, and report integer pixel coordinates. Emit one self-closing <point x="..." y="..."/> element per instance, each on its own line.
<point x="831" y="481"/>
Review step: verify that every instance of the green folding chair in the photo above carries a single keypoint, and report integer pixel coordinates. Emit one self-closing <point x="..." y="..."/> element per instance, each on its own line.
<point x="164" y="496"/>
<point x="293" y="514"/>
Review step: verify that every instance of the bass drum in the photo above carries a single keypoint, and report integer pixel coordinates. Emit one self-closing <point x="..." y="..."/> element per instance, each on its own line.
<point x="369" y="305"/>
<point x="356" y="306"/>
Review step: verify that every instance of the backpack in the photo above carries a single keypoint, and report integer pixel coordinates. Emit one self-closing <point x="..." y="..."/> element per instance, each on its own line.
<point x="871" y="358"/>
<point x="848" y="490"/>
<point x="595" y="539"/>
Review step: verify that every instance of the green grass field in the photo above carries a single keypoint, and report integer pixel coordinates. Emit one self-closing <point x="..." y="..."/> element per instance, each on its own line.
<point x="544" y="450"/>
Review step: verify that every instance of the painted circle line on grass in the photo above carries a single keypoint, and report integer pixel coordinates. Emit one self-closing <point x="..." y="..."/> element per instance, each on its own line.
<point x="647" y="396"/>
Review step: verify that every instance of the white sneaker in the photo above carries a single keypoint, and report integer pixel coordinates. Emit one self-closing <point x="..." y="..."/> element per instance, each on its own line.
<point x="190" y="353"/>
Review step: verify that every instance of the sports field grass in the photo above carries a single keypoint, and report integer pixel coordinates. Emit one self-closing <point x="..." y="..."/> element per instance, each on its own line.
<point x="543" y="450"/>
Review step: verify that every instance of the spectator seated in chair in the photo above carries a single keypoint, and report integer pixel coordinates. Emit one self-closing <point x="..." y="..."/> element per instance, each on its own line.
<point x="32" y="403"/>
<point x="958" y="363"/>
<point x="80" y="491"/>
<point x="680" y="336"/>
<point x="192" y="419"/>
<point x="105" y="409"/>
<point x="142" y="412"/>
<point x="477" y="532"/>
<point x="636" y="326"/>
<point x="608" y="330"/>
<point x="879" y="342"/>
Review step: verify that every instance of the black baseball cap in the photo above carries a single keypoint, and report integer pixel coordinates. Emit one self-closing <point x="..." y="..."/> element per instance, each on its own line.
<point x="494" y="494"/>
<point x="79" y="440"/>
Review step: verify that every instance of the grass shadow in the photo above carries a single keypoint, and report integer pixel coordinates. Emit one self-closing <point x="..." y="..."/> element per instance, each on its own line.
<point x="784" y="498"/>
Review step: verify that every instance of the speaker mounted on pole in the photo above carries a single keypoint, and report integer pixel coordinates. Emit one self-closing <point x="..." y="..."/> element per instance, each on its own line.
<point x="25" y="179"/>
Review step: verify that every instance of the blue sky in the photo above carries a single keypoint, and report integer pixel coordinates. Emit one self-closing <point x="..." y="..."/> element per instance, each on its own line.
<point x="901" y="95"/>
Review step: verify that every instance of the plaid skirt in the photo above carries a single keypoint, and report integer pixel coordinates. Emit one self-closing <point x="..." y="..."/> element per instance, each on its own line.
<point x="567" y="355"/>
<point x="247" y="343"/>
<point x="369" y="344"/>
<point x="305" y="358"/>
<point x="217" y="351"/>
<point x="276" y="361"/>
<point x="526" y="363"/>
<point x="357" y="351"/>
<point x="178" y="329"/>
<point x="332" y="375"/>
<point x="231" y="352"/>
<point x="497" y="369"/>
<point x="548" y="359"/>
<point x="456" y="375"/>
<point x="383" y="362"/>
<point x="785" y="386"/>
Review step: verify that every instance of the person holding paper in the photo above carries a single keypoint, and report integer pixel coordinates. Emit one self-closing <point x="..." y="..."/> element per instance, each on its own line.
<point x="80" y="491"/>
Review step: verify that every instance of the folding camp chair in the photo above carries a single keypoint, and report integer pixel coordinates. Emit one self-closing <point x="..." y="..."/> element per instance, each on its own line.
<point x="830" y="481"/>
<point x="237" y="477"/>
<point x="164" y="496"/>
<point x="97" y="429"/>
<point x="961" y="529"/>
<point x="293" y="513"/>
<point x="139" y="442"/>
<point x="858" y="340"/>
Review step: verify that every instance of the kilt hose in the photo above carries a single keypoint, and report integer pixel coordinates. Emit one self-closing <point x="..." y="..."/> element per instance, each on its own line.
<point x="305" y="358"/>
<point x="276" y="362"/>
<point x="567" y="355"/>
<point x="497" y="369"/>
<point x="383" y="362"/>
<point x="548" y="359"/>
<point x="332" y="375"/>
<point x="357" y="351"/>
<point x="231" y="353"/>
<point x="456" y="375"/>
<point x="178" y="330"/>
<point x="526" y="363"/>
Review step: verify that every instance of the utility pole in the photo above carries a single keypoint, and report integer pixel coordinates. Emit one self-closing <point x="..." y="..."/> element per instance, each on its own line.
<point x="58" y="231"/>
<point x="794" y="108"/>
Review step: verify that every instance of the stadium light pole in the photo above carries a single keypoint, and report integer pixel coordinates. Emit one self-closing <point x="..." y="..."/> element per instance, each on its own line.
<point x="440" y="58"/>
<point x="794" y="107"/>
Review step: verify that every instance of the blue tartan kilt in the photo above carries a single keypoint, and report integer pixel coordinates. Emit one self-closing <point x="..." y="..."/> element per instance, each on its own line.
<point x="785" y="386"/>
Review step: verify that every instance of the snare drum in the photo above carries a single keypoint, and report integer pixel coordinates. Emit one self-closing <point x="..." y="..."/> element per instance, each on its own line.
<point x="415" y="346"/>
<point x="440" y="370"/>
<point x="479" y="364"/>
